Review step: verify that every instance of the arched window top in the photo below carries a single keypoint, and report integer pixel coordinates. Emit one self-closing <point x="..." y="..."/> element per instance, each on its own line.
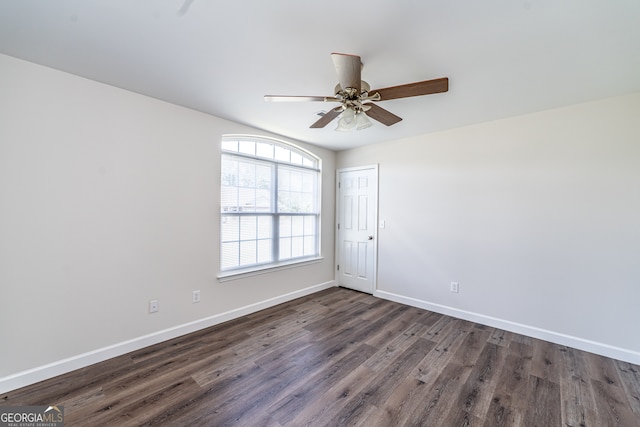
<point x="269" y="148"/>
<point x="269" y="204"/>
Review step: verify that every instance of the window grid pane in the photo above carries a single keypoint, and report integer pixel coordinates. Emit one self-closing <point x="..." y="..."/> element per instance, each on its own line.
<point x="254" y="212"/>
<point x="264" y="150"/>
<point x="283" y="154"/>
<point x="247" y="147"/>
<point x="229" y="145"/>
<point x="297" y="236"/>
<point x="270" y="150"/>
<point x="297" y="190"/>
<point x="229" y="255"/>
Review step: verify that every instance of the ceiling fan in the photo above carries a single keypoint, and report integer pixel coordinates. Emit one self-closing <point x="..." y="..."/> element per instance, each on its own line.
<point x="355" y="96"/>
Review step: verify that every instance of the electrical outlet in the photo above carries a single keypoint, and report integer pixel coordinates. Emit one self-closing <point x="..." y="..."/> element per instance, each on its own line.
<point x="454" y="287"/>
<point x="154" y="306"/>
<point x="195" y="296"/>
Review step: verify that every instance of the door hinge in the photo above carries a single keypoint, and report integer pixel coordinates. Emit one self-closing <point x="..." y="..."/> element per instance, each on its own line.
<point x="338" y="226"/>
<point x="338" y="267"/>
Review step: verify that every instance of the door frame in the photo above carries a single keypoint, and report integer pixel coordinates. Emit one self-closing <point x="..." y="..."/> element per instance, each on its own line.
<point x="374" y="272"/>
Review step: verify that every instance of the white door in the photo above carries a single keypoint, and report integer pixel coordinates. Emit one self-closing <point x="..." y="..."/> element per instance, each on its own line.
<point x="357" y="204"/>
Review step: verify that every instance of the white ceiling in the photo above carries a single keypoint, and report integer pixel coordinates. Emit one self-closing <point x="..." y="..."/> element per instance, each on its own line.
<point x="503" y="58"/>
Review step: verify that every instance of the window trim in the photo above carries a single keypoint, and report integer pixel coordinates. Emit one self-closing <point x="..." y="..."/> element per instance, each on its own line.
<point x="257" y="269"/>
<point x="239" y="273"/>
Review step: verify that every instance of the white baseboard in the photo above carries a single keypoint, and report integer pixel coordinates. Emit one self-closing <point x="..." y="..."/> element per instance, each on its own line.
<point x="31" y="376"/>
<point x="531" y="331"/>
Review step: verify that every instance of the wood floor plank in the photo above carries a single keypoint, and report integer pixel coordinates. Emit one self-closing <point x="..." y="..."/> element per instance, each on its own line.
<point x="334" y="322"/>
<point x="603" y="369"/>
<point x="383" y="383"/>
<point x="612" y="405"/>
<point x="225" y="364"/>
<point x="630" y="376"/>
<point x="440" y="330"/>
<point x="501" y="412"/>
<point x="252" y="396"/>
<point x="443" y="353"/>
<point x="286" y="408"/>
<point x="508" y="403"/>
<point x="407" y="322"/>
<point x="476" y="395"/>
<point x="135" y="410"/>
<point x="460" y="417"/>
<point x="404" y="399"/>
<point x="432" y="409"/>
<point x="210" y="402"/>
<point x="474" y="343"/>
<point x="576" y="397"/>
<point x="340" y="357"/>
<point x="327" y="404"/>
<point x="516" y="369"/>
<point x="546" y="358"/>
<point x="500" y="337"/>
<point x="393" y="349"/>
<point x="578" y="403"/>
<point x="544" y="407"/>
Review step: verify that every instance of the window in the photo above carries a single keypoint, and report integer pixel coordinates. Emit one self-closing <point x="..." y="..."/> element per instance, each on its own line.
<point x="269" y="203"/>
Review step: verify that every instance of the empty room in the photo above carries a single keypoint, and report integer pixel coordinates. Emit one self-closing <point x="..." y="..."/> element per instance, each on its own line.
<point x="280" y="213"/>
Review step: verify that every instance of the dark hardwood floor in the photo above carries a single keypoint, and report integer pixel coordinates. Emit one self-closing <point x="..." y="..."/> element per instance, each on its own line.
<point x="343" y="358"/>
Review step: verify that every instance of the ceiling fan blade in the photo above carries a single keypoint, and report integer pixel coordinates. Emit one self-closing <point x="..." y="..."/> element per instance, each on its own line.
<point x="328" y="117"/>
<point x="348" y="68"/>
<point x="284" y="98"/>
<point x="426" y="87"/>
<point x="380" y="114"/>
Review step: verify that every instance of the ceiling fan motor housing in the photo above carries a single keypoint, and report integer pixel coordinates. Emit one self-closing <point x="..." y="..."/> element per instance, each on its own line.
<point x="352" y="99"/>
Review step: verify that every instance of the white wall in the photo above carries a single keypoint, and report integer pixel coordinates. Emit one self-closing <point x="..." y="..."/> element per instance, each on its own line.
<point x="109" y="199"/>
<point x="537" y="217"/>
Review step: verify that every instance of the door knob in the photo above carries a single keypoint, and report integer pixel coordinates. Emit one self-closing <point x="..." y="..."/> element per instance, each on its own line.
<point x="370" y="237"/>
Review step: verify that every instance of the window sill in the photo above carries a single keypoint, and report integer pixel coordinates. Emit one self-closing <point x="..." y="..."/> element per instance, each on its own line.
<point x="255" y="271"/>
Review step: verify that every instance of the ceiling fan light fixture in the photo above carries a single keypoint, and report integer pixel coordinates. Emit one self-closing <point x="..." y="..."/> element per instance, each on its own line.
<point x="362" y="121"/>
<point x="347" y="121"/>
<point x="353" y="120"/>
